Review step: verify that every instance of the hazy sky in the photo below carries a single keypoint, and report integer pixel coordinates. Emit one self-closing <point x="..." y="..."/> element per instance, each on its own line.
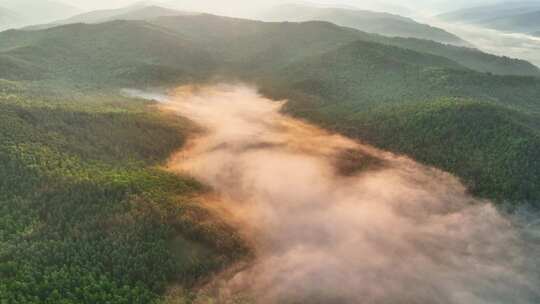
<point x="431" y="6"/>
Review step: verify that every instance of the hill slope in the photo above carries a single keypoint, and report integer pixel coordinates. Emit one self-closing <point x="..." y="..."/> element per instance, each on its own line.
<point x="471" y="58"/>
<point x="86" y="214"/>
<point x="372" y="22"/>
<point x="336" y="76"/>
<point x="112" y="53"/>
<point x="222" y="30"/>
<point x="253" y="39"/>
<point x="482" y="128"/>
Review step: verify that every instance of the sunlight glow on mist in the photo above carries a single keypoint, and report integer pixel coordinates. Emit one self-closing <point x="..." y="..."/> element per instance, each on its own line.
<point x="391" y="232"/>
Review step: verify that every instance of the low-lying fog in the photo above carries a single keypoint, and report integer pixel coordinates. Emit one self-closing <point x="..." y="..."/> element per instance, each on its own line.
<point x="514" y="45"/>
<point x="336" y="221"/>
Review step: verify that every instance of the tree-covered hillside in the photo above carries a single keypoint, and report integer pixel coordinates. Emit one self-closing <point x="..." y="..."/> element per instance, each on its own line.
<point x="86" y="214"/>
<point x="113" y="54"/>
<point x="239" y="36"/>
<point x="190" y="45"/>
<point x="328" y="72"/>
<point x="469" y="57"/>
<point x="89" y="217"/>
<point x="483" y="128"/>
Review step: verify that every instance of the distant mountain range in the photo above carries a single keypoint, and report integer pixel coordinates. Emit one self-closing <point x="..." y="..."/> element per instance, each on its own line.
<point x="139" y="11"/>
<point x="521" y="17"/>
<point x="368" y="21"/>
<point x="411" y="96"/>
<point x="464" y="57"/>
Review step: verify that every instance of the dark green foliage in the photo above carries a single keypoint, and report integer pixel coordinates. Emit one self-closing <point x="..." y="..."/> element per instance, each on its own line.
<point x="169" y="50"/>
<point x="365" y="72"/>
<point x="86" y="217"/>
<point x="494" y="150"/>
<point x="112" y="54"/>
<point x="327" y="72"/>
<point x="398" y="100"/>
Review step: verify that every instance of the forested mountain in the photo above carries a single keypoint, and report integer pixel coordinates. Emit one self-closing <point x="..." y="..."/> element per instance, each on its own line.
<point x="87" y="214"/>
<point x="372" y="22"/>
<point x="129" y="48"/>
<point x="471" y="58"/>
<point x="404" y="101"/>
<point x="336" y="71"/>
<point x="512" y="17"/>
<point x="221" y="29"/>
<point x="120" y="52"/>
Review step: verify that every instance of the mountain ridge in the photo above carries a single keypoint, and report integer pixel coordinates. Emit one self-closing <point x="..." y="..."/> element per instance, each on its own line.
<point x="89" y="215"/>
<point x="367" y="21"/>
<point x="334" y="76"/>
<point x="139" y="11"/>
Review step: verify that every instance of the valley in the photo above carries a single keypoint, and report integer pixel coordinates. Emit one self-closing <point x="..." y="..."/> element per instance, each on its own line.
<point x="151" y="154"/>
<point x="385" y="223"/>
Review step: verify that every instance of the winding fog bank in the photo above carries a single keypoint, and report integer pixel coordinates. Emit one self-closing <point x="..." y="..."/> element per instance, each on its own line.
<point x="335" y="221"/>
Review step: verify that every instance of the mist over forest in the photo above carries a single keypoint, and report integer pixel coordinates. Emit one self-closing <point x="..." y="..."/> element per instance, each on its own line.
<point x="271" y="151"/>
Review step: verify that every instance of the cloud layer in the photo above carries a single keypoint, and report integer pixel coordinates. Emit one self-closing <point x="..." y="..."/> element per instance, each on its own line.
<point x="335" y="221"/>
